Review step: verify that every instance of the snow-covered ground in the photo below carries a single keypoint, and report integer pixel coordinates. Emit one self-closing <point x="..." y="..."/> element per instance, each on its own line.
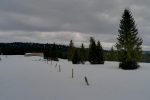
<point x="30" y="78"/>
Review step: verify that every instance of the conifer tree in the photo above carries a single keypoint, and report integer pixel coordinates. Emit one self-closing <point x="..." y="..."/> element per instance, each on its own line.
<point x="129" y="43"/>
<point x="76" y="57"/>
<point x="82" y="54"/>
<point x="100" y="53"/>
<point x="71" y="50"/>
<point x="92" y="51"/>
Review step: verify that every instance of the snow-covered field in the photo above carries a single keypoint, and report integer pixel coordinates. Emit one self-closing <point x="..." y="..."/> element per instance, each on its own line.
<point x="30" y="78"/>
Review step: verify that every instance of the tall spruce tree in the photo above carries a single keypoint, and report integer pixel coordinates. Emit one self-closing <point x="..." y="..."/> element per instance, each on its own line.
<point x="129" y="43"/>
<point x="71" y="50"/>
<point x="100" y="53"/>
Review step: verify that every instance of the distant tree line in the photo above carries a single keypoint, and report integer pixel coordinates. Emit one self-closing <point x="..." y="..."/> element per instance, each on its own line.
<point x="146" y="58"/>
<point x="55" y="51"/>
<point x="20" y="48"/>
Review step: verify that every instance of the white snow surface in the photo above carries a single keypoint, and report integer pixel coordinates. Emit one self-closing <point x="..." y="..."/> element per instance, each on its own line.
<point x="31" y="78"/>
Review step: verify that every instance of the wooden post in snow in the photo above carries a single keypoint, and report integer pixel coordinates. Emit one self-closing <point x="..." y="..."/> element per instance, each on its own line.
<point x="59" y="69"/>
<point x="51" y="62"/>
<point x="56" y="65"/>
<point x="72" y="73"/>
<point x="86" y="80"/>
<point x="47" y="61"/>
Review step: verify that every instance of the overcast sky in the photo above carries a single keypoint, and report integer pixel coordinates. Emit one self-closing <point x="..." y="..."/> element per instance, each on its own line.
<point x="60" y="21"/>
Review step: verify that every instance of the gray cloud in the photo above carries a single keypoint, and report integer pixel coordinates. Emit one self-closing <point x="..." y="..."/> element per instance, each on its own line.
<point x="55" y="15"/>
<point x="62" y="20"/>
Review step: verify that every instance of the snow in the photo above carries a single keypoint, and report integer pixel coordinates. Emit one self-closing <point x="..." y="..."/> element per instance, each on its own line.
<point x="31" y="78"/>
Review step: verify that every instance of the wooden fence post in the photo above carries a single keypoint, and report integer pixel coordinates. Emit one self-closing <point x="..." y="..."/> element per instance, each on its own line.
<point x="59" y="69"/>
<point x="72" y="73"/>
<point x="56" y="65"/>
<point x="51" y="62"/>
<point x="86" y="80"/>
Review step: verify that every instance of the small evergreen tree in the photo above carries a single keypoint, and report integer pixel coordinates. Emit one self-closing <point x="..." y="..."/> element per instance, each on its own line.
<point x="92" y="51"/>
<point x="100" y="53"/>
<point x="76" y="57"/>
<point x="71" y="50"/>
<point x="82" y="54"/>
<point x="129" y="43"/>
